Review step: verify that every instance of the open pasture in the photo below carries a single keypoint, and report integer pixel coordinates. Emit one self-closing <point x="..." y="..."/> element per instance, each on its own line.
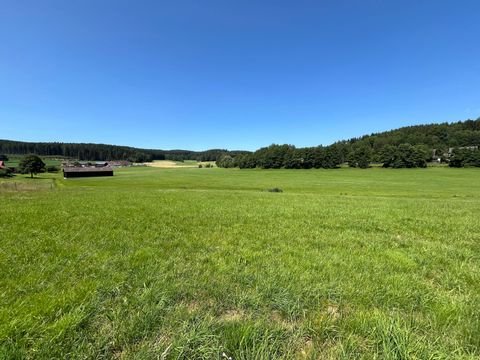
<point x="14" y="161"/>
<point x="195" y="263"/>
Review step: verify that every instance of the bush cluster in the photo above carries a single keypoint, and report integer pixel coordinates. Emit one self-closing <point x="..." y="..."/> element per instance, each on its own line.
<point x="465" y="157"/>
<point x="6" y="172"/>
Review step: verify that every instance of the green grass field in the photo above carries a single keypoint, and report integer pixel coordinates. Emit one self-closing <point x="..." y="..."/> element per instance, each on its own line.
<point x="14" y="160"/>
<point x="205" y="264"/>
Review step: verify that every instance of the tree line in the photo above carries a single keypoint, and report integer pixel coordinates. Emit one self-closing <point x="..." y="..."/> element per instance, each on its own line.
<point x="410" y="147"/>
<point x="413" y="146"/>
<point x="329" y="157"/>
<point x="78" y="151"/>
<point x="100" y="152"/>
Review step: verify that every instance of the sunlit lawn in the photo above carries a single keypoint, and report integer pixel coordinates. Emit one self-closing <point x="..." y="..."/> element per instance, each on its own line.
<point x="193" y="263"/>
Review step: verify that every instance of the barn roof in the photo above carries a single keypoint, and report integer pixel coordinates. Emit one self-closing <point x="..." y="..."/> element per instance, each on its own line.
<point x="87" y="169"/>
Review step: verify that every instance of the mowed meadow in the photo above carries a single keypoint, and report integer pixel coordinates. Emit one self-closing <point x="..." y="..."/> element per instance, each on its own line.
<point x="206" y="264"/>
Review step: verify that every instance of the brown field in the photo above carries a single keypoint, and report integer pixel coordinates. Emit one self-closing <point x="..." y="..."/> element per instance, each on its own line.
<point x="168" y="164"/>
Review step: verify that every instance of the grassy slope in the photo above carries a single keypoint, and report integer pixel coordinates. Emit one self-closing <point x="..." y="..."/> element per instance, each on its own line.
<point x="190" y="263"/>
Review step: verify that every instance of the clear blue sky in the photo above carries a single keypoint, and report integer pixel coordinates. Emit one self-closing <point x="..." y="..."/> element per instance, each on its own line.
<point x="233" y="74"/>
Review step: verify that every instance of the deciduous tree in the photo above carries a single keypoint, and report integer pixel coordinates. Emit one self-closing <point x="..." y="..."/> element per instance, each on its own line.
<point x="31" y="164"/>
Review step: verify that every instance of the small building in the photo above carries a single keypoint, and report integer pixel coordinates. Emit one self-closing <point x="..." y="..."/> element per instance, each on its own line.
<point x="2" y="164"/>
<point x="76" y="172"/>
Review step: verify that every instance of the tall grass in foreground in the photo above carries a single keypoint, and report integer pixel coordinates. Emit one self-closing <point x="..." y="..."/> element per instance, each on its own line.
<point x="192" y="264"/>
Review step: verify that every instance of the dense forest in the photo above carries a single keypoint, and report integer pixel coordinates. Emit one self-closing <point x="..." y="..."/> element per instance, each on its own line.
<point x="107" y="152"/>
<point x="74" y="151"/>
<point x="413" y="146"/>
<point x="407" y="147"/>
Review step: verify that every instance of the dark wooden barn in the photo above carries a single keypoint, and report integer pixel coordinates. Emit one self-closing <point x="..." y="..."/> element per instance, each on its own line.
<point x="75" y="172"/>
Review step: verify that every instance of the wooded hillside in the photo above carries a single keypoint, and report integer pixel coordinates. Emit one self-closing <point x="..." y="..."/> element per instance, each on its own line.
<point x="411" y="146"/>
<point x="82" y="151"/>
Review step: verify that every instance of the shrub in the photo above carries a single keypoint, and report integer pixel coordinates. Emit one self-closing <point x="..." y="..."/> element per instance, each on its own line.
<point x="200" y="166"/>
<point x="52" y="169"/>
<point x="6" y="172"/>
<point x="226" y="161"/>
<point x="275" y="190"/>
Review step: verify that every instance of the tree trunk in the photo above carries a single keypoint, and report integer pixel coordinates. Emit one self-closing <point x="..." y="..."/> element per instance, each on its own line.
<point x="31" y="175"/>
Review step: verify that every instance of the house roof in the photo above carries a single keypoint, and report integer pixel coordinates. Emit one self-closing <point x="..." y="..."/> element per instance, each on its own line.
<point x="87" y="169"/>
